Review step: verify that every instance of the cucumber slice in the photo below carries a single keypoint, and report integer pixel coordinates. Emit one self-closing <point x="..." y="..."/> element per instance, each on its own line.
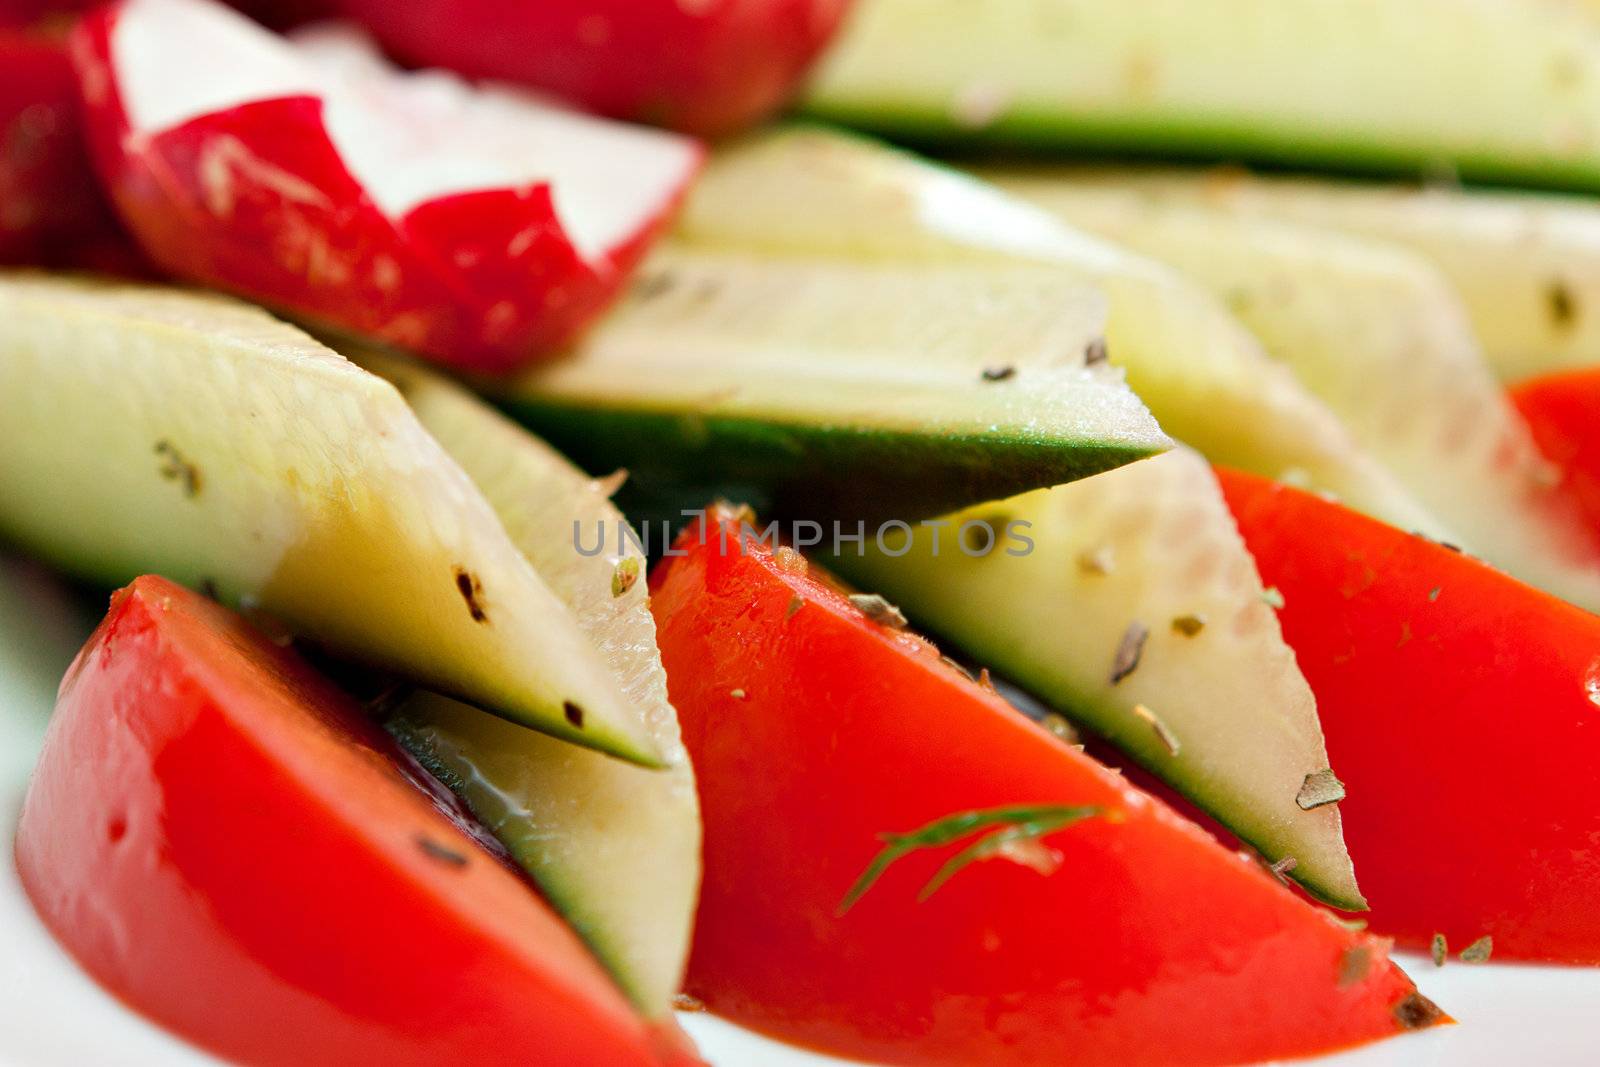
<point x="1378" y="335"/>
<point x="827" y="381"/>
<point x="1527" y="265"/>
<point x="1150" y="545"/>
<point x="158" y="431"/>
<point x="1495" y="88"/>
<point x="1204" y="376"/>
<point x="615" y="848"/>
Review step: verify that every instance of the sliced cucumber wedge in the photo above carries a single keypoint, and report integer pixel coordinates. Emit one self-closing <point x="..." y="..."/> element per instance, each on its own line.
<point x="1527" y="265"/>
<point x="872" y="390"/>
<point x="152" y="430"/>
<point x="1494" y="88"/>
<point x="811" y="190"/>
<point x="1139" y="613"/>
<point x="1379" y="336"/>
<point x="616" y="848"/>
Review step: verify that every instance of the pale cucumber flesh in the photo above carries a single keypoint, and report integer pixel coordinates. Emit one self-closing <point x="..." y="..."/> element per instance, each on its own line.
<point x="616" y="848"/>
<point x="1205" y="377"/>
<point x="1526" y="265"/>
<point x="1377" y="334"/>
<point x="1150" y="546"/>
<point x="825" y="381"/>
<point x="1497" y="89"/>
<point x="159" y="431"/>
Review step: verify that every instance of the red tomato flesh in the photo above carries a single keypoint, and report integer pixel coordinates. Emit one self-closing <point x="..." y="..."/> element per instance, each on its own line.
<point x="710" y="67"/>
<point x="1563" y="411"/>
<point x="51" y="210"/>
<point x="1130" y="937"/>
<point x="1459" y="707"/>
<point x="224" y="843"/>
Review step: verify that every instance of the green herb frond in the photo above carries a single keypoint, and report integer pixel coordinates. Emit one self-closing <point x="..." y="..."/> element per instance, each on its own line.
<point x="1026" y="822"/>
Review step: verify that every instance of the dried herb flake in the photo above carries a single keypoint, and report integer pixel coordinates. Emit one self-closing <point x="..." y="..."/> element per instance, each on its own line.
<point x="879" y="610"/>
<point x="999" y="374"/>
<point x="1129" y="649"/>
<point x="444" y="854"/>
<point x="1163" y="733"/>
<point x="625" y="575"/>
<point x="1417" y="1012"/>
<point x="1189" y="625"/>
<point x="1318" y="789"/>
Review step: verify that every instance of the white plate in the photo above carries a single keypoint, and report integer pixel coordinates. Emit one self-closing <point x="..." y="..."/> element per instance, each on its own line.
<point x="52" y="1015"/>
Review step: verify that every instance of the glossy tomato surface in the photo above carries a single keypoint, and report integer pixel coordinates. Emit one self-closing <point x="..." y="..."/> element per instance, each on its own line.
<point x="1462" y="711"/>
<point x="710" y="67"/>
<point x="223" y="842"/>
<point x="1126" y="937"/>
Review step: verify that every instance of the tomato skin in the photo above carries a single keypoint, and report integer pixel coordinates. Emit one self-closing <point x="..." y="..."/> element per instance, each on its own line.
<point x="51" y="210"/>
<point x="1563" y="411"/>
<point x="225" y="844"/>
<point x="257" y="200"/>
<point x="711" y="67"/>
<point x="1458" y="710"/>
<point x="1149" y="943"/>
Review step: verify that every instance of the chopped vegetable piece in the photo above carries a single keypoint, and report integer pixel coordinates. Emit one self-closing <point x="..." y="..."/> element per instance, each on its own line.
<point x="707" y="67"/>
<point x="615" y="848"/>
<point x="1377" y="334"/>
<point x="214" y="444"/>
<point x="1206" y="378"/>
<point x="1479" y="951"/>
<point x="479" y="226"/>
<point x="1489" y="90"/>
<point x="1563" y="411"/>
<point x="1493" y="685"/>
<point x="221" y="839"/>
<point x="1140" y="941"/>
<point x="1526" y="265"/>
<point x="1231" y="693"/>
<point x="821" y="380"/>
<point x="51" y="210"/>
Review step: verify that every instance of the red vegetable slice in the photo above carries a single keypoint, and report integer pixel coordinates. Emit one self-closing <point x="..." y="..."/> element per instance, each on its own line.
<point x="1460" y="707"/>
<point x="1563" y="410"/>
<point x="709" y="67"/>
<point x="51" y="209"/>
<point x="478" y="226"/>
<point x="1122" y="936"/>
<point x="224" y="843"/>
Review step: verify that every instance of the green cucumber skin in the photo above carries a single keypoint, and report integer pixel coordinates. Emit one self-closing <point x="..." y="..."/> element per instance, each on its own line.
<point x="568" y="900"/>
<point x="1063" y="133"/>
<point x="979" y="644"/>
<point x="819" y="471"/>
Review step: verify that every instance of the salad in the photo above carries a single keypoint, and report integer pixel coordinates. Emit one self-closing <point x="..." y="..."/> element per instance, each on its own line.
<point x="1024" y="533"/>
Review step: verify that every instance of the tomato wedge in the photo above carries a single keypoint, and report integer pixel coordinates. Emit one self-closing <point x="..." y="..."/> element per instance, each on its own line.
<point x="226" y="845"/>
<point x="1563" y="410"/>
<point x="1102" y="928"/>
<point x="709" y="67"/>
<point x="1460" y="708"/>
<point x="51" y="209"/>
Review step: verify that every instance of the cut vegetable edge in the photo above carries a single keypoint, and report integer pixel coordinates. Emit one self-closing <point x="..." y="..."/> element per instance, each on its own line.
<point x="1524" y="264"/>
<point x="1137" y="611"/>
<point x="807" y="189"/>
<point x="761" y="620"/>
<point x="820" y="376"/>
<point x="1352" y="88"/>
<point x="181" y="730"/>
<point x="616" y="848"/>
<point x="1378" y="335"/>
<point x="239" y="456"/>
